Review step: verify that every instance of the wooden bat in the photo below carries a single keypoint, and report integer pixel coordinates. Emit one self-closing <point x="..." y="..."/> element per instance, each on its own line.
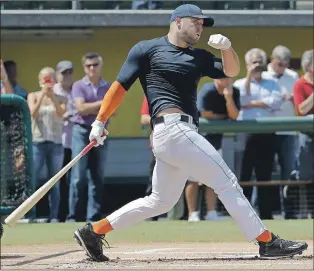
<point x="29" y="203"/>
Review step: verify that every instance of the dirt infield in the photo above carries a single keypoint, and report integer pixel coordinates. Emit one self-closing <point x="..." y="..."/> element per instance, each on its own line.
<point x="150" y="256"/>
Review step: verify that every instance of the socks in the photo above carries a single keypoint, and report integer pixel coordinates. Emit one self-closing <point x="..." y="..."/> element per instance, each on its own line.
<point x="265" y="237"/>
<point x="102" y="227"/>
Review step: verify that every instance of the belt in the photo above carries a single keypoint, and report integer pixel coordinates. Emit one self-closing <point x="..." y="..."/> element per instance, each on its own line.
<point x="161" y="119"/>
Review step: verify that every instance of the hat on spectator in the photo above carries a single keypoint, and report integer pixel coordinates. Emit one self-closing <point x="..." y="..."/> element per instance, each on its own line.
<point x="64" y="65"/>
<point x="189" y="10"/>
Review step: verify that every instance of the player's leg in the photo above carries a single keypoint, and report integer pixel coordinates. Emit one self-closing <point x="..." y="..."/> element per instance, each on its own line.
<point x="168" y="184"/>
<point x="194" y="154"/>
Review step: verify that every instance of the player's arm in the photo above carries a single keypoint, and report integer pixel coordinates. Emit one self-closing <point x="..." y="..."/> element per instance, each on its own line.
<point x="230" y="59"/>
<point x="113" y="98"/>
<point x="127" y="76"/>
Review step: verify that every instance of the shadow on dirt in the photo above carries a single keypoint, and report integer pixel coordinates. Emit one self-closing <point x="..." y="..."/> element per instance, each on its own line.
<point x="44" y="257"/>
<point x="8" y="257"/>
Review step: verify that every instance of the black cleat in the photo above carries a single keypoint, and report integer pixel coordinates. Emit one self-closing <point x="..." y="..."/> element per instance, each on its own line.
<point x="91" y="242"/>
<point x="280" y="248"/>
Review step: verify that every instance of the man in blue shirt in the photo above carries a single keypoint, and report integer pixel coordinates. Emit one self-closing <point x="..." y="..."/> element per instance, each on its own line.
<point x="215" y="101"/>
<point x="259" y="98"/>
<point x="10" y="67"/>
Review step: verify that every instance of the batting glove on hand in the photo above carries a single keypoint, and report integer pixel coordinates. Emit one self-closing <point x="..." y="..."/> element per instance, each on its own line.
<point x="98" y="132"/>
<point x="219" y="42"/>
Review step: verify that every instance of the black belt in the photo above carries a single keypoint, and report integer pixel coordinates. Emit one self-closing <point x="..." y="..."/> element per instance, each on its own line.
<point x="161" y="119"/>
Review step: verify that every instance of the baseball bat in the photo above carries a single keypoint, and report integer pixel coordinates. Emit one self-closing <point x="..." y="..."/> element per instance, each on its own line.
<point x="29" y="203"/>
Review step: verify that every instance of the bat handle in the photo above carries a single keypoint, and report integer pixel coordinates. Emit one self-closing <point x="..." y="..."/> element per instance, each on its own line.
<point x="91" y="145"/>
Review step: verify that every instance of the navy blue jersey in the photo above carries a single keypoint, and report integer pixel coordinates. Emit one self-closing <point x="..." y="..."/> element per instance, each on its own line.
<point x="209" y="99"/>
<point x="169" y="74"/>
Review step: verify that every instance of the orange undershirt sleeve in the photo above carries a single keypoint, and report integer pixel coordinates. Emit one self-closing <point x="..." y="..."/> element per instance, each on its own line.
<point x="111" y="101"/>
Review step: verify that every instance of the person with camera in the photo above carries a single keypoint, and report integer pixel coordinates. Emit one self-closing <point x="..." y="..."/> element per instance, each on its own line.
<point x="259" y="97"/>
<point x="47" y="109"/>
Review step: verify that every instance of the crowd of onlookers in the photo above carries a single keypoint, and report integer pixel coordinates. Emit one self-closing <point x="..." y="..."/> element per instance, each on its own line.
<point x="268" y="90"/>
<point x="62" y="112"/>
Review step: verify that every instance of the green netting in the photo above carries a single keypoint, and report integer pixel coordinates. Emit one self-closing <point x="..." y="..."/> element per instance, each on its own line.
<point x="16" y="178"/>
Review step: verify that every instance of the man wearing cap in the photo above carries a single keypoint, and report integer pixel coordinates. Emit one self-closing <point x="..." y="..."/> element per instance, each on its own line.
<point x="65" y="81"/>
<point x="169" y="69"/>
<point x="87" y="95"/>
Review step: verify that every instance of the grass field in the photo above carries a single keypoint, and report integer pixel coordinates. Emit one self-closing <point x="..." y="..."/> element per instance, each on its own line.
<point x="163" y="231"/>
<point x="165" y="244"/>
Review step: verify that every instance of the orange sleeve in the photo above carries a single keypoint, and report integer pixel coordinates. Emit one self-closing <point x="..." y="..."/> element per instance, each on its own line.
<point x="111" y="101"/>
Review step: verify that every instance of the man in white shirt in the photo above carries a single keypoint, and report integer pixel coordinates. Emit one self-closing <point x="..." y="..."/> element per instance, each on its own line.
<point x="259" y="97"/>
<point x="286" y="142"/>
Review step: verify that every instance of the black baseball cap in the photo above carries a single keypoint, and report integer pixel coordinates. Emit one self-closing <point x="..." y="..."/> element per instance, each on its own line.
<point x="189" y="10"/>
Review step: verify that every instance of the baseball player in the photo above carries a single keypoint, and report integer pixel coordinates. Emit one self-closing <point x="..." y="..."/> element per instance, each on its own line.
<point x="169" y="69"/>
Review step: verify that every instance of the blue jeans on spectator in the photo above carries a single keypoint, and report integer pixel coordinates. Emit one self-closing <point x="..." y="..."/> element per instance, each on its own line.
<point x="286" y="149"/>
<point x="51" y="154"/>
<point x="306" y="167"/>
<point x="89" y="171"/>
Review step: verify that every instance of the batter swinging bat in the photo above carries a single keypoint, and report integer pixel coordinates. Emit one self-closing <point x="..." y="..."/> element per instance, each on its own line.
<point x="40" y="192"/>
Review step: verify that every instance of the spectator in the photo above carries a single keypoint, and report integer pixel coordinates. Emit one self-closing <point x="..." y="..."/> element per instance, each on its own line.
<point x="6" y="87"/>
<point x="11" y="68"/>
<point x="64" y="88"/>
<point x="215" y="101"/>
<point x="258" y="97"/>
<point x="285" y="141"/>
<point x="47" y="109"/>
<point x="304" y="102"/>
<point x="87" y="96"/>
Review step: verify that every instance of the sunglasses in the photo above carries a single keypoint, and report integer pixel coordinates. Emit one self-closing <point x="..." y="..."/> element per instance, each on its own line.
<point x="257" y="62"/>
<point x="92" y="65"/>
<point x="281" y="64"/>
